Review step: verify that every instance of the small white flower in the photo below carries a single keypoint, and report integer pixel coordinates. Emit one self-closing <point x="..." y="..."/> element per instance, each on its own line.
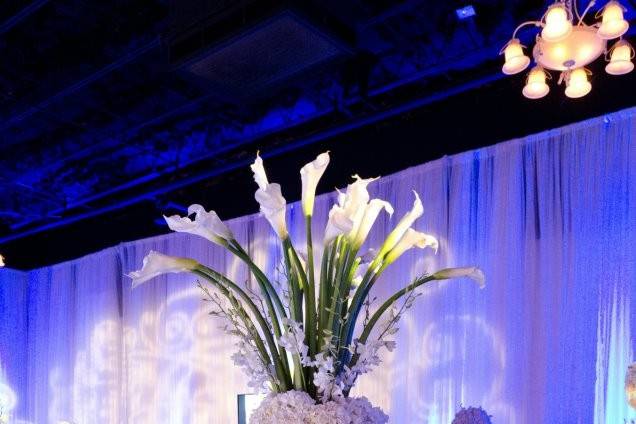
<point x="310" y="174"/>
<point x="270" y="198"/>
<point x="406" y="222"/>
<point x="472" y="272"/>
<point x="293" y="338"/>
<point x="206" y="224"/>
<point x="156" y="264"/>
<point x="409" y="240"/>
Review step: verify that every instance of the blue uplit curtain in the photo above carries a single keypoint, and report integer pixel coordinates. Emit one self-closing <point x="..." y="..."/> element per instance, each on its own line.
<point x="551" y="219"/>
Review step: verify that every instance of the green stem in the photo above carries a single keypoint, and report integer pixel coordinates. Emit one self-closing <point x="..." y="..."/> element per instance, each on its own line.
<point x="210" y="274"/>
<point x="268" y="292"/>
<point x="336" y="298"/>
<point x="310" y="310"/>
<point x="386" y="305"/>
<point x="324" y="290"/>
<point x="249" y="325"/>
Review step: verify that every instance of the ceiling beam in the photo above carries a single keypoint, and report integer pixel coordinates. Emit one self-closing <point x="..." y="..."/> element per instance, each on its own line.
<point x="21" y="15"/>
<point x="12" y="120"/>
<point x="330" y="132"/>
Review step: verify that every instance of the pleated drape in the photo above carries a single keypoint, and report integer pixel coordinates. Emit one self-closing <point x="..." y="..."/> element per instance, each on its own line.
<point x="551" y="219"/>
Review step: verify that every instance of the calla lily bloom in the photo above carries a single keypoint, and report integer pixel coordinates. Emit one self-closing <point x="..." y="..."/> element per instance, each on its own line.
<point x="1" y="261"/>
<point x="269" y="196"/>
<point x="338" y="223"/>
<point x="409" y="240"/>
<point x="346" y="216"/>
<point x="405" y="223"/>
<point x="310" y="174"/>
<point x="371" y="212"/>
<point x="472" y="272"/>
<point x="259" y="172"/>
<point x="206" y="224"/>
<point x="156" y="264"/>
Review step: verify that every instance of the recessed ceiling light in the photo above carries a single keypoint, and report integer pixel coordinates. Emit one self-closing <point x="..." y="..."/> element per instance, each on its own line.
<point x="466" y="12"/>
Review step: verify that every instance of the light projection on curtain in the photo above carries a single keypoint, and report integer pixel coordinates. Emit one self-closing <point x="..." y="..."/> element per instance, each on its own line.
<point x="550" y="218"/>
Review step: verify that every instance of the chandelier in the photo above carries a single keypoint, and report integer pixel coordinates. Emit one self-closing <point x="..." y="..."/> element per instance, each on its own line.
<point x="566" y="44"/>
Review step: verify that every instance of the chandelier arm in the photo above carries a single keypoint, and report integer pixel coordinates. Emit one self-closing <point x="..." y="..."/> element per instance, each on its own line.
<point x="575" y="5"/>
<point x="535" y="23"/>
<point x="587" y="9"/>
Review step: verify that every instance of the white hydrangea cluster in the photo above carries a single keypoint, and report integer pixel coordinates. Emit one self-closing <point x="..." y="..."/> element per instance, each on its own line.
<point x="248" y="359"/>
<point x="296" y="407"/>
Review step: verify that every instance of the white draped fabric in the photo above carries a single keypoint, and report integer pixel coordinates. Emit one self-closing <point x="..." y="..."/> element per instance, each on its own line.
<point x="551" y="219"/>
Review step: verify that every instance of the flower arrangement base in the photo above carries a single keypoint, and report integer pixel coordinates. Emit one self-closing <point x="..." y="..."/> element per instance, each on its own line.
<point x="295" y="407"/>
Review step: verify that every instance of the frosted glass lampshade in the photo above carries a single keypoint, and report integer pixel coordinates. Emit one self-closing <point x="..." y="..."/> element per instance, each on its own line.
<point x="621" y="59"/>
<point x="535" y="85"/>
<point x="613" y="24"/>
<point x="516" y="61"/>
<point x="577" y="84"/>
<point x="557" y="23"/>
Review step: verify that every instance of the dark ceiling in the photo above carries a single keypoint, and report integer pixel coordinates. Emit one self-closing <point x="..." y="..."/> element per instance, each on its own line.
<point x="112" y="113"/>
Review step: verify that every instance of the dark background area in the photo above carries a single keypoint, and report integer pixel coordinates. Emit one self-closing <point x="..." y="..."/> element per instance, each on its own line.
<point x="112" y="116"/>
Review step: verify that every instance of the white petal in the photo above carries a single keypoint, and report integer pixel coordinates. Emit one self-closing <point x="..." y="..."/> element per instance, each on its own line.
<point x="206" y="224"/>
<point x="259" y="172"/>
<point x="472" y="272"/>
<point x="1" y="261"/>
<point x="338" y="223"/>
<point x="273" y="206"/>
<point x="371" y="211"/>
<point x="310" y="174"/>
<point x="156" y="264"/>
<point x="409" y="240"/>
<point x="405" y="223"/>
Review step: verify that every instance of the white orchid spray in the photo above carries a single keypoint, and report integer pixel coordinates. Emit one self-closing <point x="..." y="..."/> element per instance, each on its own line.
<point x="307" y="344"/>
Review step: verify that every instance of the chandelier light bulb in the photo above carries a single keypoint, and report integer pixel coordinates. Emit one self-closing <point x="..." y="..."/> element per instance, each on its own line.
<point x="577" y="84"/>
<point x="558" y="24"/>
<point x="516" y="61"/>
<point x="613" y="24"/>
<point x="621" y="59"/>
<point x="536" y="86"/>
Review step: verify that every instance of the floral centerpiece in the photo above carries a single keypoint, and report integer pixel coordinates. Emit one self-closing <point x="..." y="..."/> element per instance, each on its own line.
<point x="307" y="342"/>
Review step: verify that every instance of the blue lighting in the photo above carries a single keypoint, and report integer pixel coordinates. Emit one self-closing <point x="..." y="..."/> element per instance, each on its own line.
<point x="466" y="12"/>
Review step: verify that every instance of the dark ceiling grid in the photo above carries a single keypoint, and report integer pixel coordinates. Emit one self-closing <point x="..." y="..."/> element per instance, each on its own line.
<point x="391" y="13"/>
<point x="120" y="131"/>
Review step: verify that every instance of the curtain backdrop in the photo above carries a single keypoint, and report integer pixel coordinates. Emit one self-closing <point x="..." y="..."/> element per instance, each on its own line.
<point x="551" y="219"/>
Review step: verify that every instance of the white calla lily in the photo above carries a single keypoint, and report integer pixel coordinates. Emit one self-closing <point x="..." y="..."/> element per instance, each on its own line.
<point x="409" y="240"/>
<point x="471" y="272"/>
<point x="259" y="172"/>
<point x="346" y="216"/>
<point x="1" y="261"/>
<point x="310" y="174"/>
<point x="273" y="207"/>
<point x="156" y="264"/>
<point x="206" y="224"/>
<point x="405" y="223"/>
<point x="371" y="212"/>
<point x="270" y="198"/>
<point x="338" y="223"/>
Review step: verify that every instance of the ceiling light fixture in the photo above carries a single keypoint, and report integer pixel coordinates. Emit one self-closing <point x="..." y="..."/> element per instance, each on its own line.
<point x="567" y="48"/>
